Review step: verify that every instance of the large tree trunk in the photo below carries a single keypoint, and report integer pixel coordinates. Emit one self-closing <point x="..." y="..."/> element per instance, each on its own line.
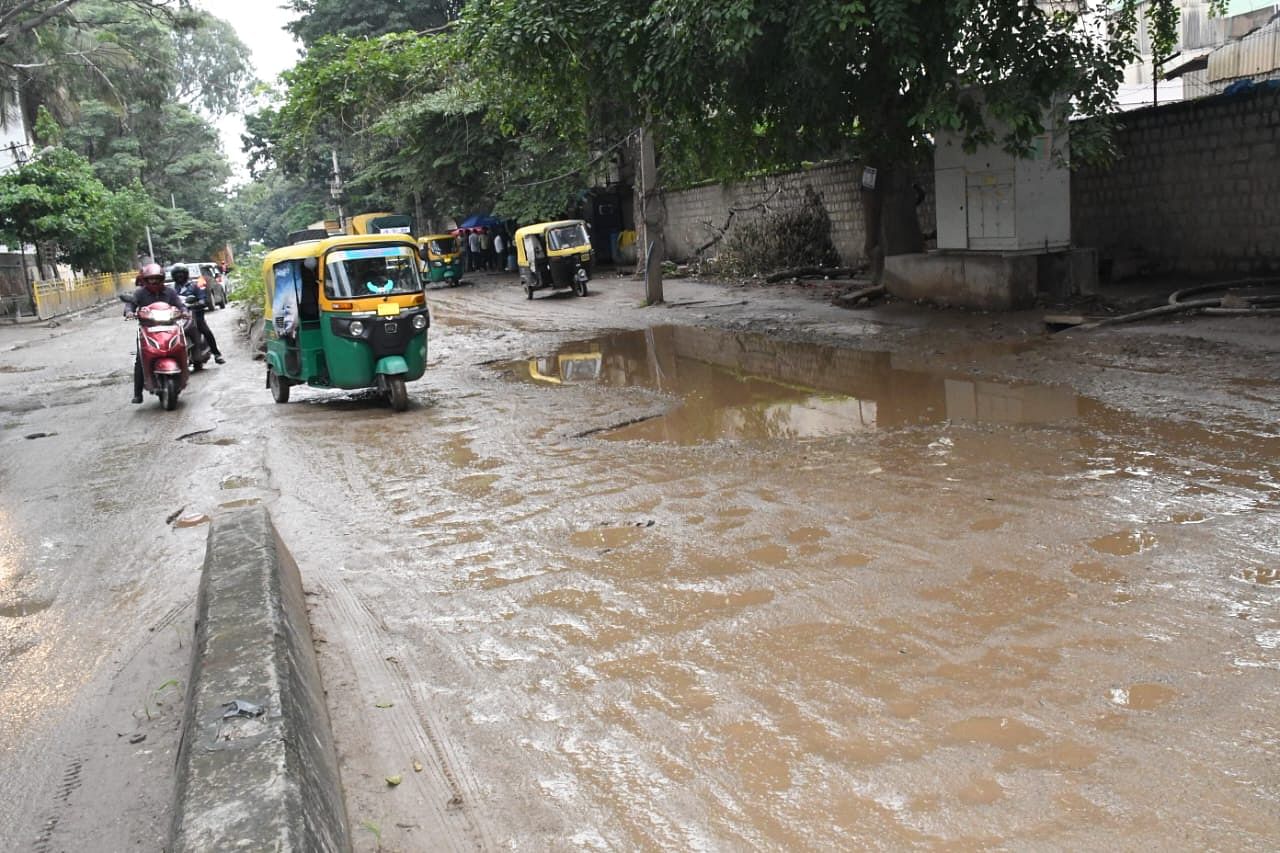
<point x="889" y="218"/>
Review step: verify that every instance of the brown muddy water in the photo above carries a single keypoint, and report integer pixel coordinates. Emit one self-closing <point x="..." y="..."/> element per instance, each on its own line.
<point x="750" y="386"/>
<point x="681" y="589"/>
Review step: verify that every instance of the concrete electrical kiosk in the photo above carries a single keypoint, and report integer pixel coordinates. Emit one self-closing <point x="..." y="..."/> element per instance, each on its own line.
<point x="1004" y="227"/>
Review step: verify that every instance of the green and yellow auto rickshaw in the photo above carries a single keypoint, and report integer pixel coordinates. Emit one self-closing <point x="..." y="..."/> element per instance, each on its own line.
<point x="554" y="255"/>
<point x="346" y="312"/>
<point x="441" y="258"/>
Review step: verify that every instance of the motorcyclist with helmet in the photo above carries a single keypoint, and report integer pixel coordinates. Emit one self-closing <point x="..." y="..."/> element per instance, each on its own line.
<point x="150" y="288"/>
<point x="189" y="289"/>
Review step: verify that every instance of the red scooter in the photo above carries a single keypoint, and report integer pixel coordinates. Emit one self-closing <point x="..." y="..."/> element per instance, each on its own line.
<point x="162" y="345"/>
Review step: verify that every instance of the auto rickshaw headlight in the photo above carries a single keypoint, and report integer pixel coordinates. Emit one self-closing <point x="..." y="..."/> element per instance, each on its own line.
<point x="419" y="321"/>
<point x="437" y="263"/>
<point x="356" y="328"/>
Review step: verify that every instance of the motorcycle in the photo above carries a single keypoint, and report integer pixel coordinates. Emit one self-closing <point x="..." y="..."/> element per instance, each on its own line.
<point x="162" y="347"/>
<point x="198" y="351"/>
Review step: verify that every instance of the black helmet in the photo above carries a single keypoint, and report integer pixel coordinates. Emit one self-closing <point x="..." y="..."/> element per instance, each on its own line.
<point x="179" y="274"/>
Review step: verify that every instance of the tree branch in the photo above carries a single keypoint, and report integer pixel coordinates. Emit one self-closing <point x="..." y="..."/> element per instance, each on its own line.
<point x="31" y="23"/>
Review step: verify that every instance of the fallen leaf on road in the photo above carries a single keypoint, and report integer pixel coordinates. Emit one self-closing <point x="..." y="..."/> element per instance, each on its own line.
<point x="417" y="766"/>
<point x="386" y="704"/>
<point x="192" y="520"/>
<point x="394" y="780"/>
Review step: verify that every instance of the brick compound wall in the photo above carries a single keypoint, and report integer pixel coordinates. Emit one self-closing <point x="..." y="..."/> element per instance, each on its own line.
<point x="1196" y="189"/>
<point x="694" y="216"/>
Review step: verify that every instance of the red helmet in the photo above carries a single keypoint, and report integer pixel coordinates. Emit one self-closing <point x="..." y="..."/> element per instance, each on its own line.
<point x="151" y="276"/>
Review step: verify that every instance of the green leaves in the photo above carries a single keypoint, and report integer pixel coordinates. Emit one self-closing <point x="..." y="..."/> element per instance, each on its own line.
<point x="55" y="198"/>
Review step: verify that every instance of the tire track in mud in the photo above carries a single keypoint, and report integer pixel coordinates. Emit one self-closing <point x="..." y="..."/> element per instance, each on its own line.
<point x="445" y="788"/>
<point x="70" y="782"/>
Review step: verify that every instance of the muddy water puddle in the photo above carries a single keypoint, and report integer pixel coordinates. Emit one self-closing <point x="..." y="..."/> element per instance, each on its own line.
<point x="960" y="624"/>
<point x="745" y="386"/>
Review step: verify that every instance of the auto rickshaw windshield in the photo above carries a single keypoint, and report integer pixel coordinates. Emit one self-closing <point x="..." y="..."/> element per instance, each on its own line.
<point x="445" y="246"/>
<point x="567" y="237"/>
<point x="352" y="273"/>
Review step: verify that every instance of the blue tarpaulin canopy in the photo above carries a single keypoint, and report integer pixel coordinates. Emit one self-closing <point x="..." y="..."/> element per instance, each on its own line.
<point x="480" y="220"/>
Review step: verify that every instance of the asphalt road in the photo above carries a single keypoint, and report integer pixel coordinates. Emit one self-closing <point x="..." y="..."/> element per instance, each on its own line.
<point x="718" y="587"/>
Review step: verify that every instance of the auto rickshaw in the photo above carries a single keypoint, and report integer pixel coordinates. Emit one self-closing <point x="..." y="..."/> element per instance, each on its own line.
<point x="441" y="258"/>
<point x="554" y="255"/>
<point x="345" y="312"/>
<point x="380" y="222"/>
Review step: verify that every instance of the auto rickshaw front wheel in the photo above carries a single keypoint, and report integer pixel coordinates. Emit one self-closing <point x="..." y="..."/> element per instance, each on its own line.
<point x="528" y="291"/>
<point x="279" y="387"/>
<point x="580" y="287"/>
<point x="397" y="393"/>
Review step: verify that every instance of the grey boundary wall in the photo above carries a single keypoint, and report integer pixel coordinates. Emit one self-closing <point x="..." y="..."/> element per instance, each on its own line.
<point x="695" y="215"/>
<point x="267" y="782"/>
<point x="1196" y="191"/>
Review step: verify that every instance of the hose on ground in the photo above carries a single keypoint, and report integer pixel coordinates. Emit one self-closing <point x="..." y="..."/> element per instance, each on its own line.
<point x="1227" y="305"/>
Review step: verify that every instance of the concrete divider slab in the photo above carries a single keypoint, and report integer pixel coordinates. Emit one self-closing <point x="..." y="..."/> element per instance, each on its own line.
<point x="248" y="780"/>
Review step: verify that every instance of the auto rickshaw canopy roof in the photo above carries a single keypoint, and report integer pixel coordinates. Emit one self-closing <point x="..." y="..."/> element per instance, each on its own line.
<point x="543" y="227"/>
<point x="318" y="248"/>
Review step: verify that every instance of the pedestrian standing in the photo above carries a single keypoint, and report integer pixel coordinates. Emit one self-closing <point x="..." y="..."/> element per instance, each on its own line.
<point x="473" y="240"/>
<point x="484" y="248"/>
<point x="499" y="255"/>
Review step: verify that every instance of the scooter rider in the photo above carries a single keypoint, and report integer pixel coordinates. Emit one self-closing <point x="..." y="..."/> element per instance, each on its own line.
<point x="151" y="288"/>
<point x="186" y="287"/>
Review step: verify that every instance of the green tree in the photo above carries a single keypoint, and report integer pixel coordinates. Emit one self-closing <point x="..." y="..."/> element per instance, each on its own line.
<point x="55" y="199"/>
<point x="737" y="85"/>
<point x="319" y="18"/>
<point x="126" y="79"/>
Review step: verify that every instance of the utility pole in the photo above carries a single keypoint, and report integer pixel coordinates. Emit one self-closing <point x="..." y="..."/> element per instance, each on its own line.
<point x="335" y="188"/>
<point x="151" y="252"/>
<point x="652" y="247"/>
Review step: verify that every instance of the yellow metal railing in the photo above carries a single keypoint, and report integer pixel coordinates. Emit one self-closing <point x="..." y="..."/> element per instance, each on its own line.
<point x="64" y="295"/>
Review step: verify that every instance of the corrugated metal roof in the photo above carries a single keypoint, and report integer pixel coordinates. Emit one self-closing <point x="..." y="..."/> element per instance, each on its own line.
<point x="1255" y="55"/>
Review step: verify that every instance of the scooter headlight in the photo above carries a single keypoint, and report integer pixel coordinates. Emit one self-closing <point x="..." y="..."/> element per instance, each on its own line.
<point x="356" y="328"/>
<point x="419" y="321"/>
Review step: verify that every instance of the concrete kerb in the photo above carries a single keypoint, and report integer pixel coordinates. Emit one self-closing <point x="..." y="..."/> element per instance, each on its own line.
<point x="247" y="781"/>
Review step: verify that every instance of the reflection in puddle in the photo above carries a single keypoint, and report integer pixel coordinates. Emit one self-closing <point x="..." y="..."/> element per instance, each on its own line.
<point x="750" y="386"/>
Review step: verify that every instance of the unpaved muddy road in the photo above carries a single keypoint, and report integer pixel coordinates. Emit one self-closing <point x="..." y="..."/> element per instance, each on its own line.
<point x="693" y="577"/>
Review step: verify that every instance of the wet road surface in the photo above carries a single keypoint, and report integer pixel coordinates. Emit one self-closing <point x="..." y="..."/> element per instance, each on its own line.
<point x="96" y="588"/>
<point x="616" y="582"/>
<point x="676" y="589"/>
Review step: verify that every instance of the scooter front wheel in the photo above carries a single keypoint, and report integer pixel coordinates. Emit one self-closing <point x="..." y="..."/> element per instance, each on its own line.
<point x="168" y="392"/>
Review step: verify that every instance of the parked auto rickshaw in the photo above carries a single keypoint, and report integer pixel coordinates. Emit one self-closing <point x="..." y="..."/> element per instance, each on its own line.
<point x="554" y="255"/>
<point x="441" y="258"/>
<point x="345" y="312"/>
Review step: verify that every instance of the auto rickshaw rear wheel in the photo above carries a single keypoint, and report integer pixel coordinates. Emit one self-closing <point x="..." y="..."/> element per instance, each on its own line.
<point x="397" y="394"/>
<point x="279" y="387"/>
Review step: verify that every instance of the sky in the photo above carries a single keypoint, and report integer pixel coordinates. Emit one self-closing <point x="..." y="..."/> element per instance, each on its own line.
<point x="260" y="26"/>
